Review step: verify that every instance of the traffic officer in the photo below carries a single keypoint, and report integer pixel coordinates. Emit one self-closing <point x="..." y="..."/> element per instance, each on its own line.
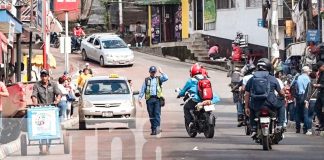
<point x="152" y="90"/>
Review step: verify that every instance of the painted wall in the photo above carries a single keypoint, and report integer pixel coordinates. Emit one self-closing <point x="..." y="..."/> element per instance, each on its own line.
<point x="243" y="19"/>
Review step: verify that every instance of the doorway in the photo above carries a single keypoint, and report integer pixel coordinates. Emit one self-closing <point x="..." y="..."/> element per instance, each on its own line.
<point x="198" y="15"/>
<point x="169" y="22"/>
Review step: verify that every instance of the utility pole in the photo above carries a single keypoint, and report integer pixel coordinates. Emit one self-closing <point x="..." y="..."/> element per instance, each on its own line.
<point x="274" y="29"/>
<point x="18" y="5"/>
<point x="319" y="20"/>
<point x="66" y="54"/>
<point x="121" y="25"/>
<point x="29" y="66"/>
<point x="44" y="17"/>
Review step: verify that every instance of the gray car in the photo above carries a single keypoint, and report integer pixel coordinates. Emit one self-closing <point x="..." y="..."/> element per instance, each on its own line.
<point x="107" y="99"/>
<point x="107" y="49"/>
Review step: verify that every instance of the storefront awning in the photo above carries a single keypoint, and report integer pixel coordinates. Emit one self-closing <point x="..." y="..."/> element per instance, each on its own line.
<point x="157" y="2"/>
<point x="6" y="19"/>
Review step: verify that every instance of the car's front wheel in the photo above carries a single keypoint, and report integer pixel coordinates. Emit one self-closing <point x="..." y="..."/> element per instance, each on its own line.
<point x="84" y="55"/>
<point x="102" y="62"/>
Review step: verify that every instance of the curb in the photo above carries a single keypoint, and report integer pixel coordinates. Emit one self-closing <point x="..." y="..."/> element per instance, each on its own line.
<point x="186" y="61"/>
<point x="69" y="123"/>
<point x="9" y="148"/>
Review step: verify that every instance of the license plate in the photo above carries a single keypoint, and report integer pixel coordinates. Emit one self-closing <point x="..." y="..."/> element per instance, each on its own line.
<point x="209" y="108"/>
<point x="265" y="120"/>
<point x="107" y="114"/>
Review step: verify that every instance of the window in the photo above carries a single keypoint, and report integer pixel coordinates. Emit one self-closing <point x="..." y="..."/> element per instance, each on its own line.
<point x="97" y="42"/>
<point x="225" y="4"/>
<point x="105" y="87"/>
<point x="253" y="3"/>
<point x="91" y="40"/>
<point x="114" y="43"/>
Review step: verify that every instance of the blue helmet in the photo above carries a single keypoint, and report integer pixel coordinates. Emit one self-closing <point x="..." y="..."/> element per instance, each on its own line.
<point x="152" y="69"/>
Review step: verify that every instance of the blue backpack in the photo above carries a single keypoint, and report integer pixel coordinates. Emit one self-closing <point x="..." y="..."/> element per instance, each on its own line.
<point x="260" y="89"/>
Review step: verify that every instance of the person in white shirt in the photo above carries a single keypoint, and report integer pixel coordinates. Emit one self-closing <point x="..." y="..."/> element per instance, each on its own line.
<point x="63" y="103"/>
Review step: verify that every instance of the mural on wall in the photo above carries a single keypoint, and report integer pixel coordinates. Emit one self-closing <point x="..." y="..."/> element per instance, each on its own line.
<point x="178" y="24"/>
<point x="156" y="23"/>
<point x="210" y="14"/>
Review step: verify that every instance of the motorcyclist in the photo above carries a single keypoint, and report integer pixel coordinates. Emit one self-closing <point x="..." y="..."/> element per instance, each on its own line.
<point x="191" y="87"/>
<point x="253" y="105"/>
<point x="77" y="34"/>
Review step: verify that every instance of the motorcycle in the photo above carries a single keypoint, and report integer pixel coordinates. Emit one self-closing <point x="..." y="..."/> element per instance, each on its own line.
<point x="77" y="46"/>
<point x="203" y="119"/>
<point x="267" y="134"/>
<point x="54" y="40"/>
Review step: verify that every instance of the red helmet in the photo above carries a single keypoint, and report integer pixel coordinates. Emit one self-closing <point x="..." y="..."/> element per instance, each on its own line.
<point x="195" y="69"/>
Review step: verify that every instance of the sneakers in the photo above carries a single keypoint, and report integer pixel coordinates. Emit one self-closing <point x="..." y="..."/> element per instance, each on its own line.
<point x="309" y="133"/>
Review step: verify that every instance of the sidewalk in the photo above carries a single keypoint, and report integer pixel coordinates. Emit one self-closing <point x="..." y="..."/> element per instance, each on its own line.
<point x="14" y="146"/>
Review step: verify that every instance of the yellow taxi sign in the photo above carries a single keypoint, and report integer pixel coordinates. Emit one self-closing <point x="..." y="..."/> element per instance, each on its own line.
<point x="113" y="76"/>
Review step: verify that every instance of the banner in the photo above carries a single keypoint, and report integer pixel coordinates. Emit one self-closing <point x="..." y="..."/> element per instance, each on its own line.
<point x="11" y="33"/>
<point x="156" y="23"/>
<point x="209" y="11"/>
<point x="209" y="15"/>
<point x="178" y="24"/>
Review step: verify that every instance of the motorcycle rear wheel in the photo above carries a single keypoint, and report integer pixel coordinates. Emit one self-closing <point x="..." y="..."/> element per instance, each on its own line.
<point x="266" y="143"/>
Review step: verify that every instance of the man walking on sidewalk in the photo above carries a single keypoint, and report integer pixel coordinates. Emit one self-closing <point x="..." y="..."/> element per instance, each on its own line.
<point x="320" y="96"/>
<point x="152" y="89"/>
<point x="3" y="93"/>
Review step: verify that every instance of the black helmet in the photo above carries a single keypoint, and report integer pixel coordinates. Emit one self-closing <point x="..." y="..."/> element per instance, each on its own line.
<point x="249" y="69"/>
<point x="264" y="64"/>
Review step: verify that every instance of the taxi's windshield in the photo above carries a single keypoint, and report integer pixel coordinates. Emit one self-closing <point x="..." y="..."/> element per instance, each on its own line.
<point x="114" y="43"/>
<point x="104" y="87"/>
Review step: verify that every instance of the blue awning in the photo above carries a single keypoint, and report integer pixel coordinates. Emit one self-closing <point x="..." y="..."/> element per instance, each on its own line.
<point x="6" y="19"/>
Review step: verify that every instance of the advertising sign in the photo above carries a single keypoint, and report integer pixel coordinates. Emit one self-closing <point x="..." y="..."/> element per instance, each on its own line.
<point x="11" y="33"/>
<point x="66" y="5"/>
<point x="39" y="14"/>
<point x="43" y="123"/>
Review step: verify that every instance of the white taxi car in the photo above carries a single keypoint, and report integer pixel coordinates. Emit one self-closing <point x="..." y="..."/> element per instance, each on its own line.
<point x="107" y="49"/>
<point x="107" y="99"/>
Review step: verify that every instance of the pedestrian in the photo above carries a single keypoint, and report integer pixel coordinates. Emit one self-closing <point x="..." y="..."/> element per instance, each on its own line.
<point x="320" y="96"/>
<point x="152" y="90"/>
<point x="290" y="100"/>
<point x="310" y="102"/>
<point x="3" y="93"/>
<point x="87" y="66"/>
<point x="70" y="98"/>
<point x="302" y="83"/>
<point x="237" y="99"/>
<point x="45" y="92"/>
<point x="83" y="77"/>
<point x="213" y="52"/>
<point x="62" y="82"/>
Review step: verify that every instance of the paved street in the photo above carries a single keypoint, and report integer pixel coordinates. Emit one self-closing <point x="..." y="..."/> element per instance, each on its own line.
<point x="229" y="142"/>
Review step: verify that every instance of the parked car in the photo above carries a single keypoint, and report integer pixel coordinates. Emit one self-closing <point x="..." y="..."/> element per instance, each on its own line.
<point x="107" y="99"/>
<point x="107" y="49"/>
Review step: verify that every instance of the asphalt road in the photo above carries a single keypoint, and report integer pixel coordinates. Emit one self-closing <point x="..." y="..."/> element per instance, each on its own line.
<point x="173" y="143"/>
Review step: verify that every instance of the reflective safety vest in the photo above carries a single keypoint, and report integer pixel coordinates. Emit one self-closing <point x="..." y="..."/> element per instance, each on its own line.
<point x="148" y="88"/>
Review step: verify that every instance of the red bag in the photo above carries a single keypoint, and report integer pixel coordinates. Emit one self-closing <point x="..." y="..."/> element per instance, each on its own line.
<point x="205" y="89"/>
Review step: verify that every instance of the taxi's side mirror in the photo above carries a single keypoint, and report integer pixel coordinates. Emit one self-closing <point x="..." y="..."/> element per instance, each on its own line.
<point x="136" y="93"/>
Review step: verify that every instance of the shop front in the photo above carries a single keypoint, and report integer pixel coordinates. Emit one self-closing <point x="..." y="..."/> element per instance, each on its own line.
<point x="168" y="20"/>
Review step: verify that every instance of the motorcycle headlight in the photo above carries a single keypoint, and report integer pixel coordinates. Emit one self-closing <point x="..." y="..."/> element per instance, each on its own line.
<point x="87" y="104"/>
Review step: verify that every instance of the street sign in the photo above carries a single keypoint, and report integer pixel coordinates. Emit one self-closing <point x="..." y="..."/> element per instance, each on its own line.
<point x="312" y="35"/>
<point x="65" y="45"/>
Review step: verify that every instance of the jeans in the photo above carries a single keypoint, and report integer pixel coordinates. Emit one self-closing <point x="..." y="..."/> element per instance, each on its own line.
<point x="308" y="114"/>
<point x="291" y="111"/>
<point x="154" y="111"/>
<point x="239" y="107"/>
<point x="300" y="105"/>
<point x="190" y="105"/>
<point x="62" y="106"/>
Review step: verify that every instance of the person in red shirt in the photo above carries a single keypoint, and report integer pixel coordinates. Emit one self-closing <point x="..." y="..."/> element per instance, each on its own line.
<point x="237" y="52"/>
<point x="77" y="34"/>
<point x="3" y="93"/>
<point x="213" y="52"/>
